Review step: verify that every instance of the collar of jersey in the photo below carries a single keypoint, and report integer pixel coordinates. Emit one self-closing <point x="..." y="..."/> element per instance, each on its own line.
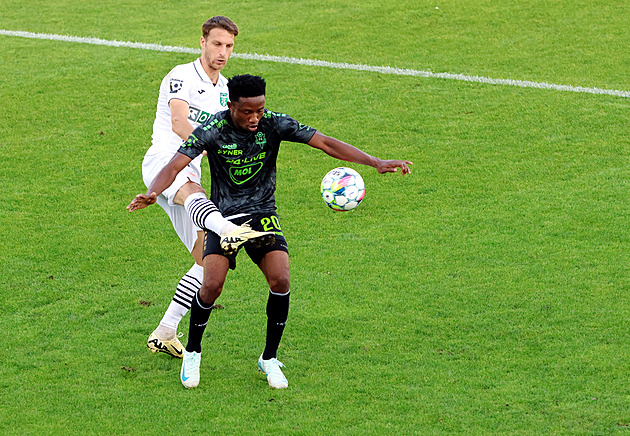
<point x="204" y="76"/>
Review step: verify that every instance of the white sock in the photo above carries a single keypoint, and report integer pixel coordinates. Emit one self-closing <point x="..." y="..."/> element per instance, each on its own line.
<point x="205" y="214"/>
<point x="186" y="290"/>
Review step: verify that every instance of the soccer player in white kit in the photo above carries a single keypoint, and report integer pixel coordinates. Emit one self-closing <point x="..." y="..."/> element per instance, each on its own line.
<point x="189" y="95"/>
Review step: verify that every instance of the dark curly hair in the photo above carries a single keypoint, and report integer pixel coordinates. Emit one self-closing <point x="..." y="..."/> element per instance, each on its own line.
<point x="246" y="85"/>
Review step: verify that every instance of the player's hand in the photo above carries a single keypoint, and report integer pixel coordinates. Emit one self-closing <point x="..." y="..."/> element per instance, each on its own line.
<point x="141" y="201"/>
<point x="392" y="165"/>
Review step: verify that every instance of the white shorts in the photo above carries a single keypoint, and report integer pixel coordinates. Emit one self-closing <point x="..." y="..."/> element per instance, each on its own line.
<point x="184" y="227"/>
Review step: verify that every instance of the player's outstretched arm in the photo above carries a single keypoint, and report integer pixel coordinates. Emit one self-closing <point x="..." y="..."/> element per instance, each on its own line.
<point x="162" y="181"/>
<point x="340" y="150"/>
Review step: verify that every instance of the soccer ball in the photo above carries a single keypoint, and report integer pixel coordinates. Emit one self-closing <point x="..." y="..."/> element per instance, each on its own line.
<point x="342" y="189"/>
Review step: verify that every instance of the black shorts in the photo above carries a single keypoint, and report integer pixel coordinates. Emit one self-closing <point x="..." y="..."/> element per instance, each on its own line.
<point x="264" y="222"/>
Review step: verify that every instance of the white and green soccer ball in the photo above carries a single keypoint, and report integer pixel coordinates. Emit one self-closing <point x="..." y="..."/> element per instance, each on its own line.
<point x="342" y="189"/>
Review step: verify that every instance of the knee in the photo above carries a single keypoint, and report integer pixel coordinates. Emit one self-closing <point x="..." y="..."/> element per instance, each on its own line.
<point x="280" y="284"/>
<point x="210" y="291"/>
<point x="186" y="190"/>
<point x="190" y="188"/>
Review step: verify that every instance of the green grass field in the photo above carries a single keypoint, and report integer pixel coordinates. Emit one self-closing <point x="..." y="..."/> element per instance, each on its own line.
<point x="486" y="293"/>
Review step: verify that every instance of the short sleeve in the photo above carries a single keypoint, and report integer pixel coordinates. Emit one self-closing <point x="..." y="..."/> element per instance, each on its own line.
<point x="179" y="85"/>
<point x="193" y="146"/>
<point x="291" y="130"/>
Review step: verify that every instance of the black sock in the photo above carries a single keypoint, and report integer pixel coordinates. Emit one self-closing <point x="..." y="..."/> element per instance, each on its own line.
<point x="277" y="313"/>
<point x="198" y="320"/>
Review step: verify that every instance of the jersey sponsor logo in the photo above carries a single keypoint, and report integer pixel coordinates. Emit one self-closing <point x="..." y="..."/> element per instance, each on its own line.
<point x="201" y="91"/>
<point x="223" y="98"/>
<point x="176" y="85"/>
<point x="242" y="174"/>
<point x="242" y="170"/>
<point x="197" y="115"/>
<point x="230" y="152"/>
<point x="245" y="160"/>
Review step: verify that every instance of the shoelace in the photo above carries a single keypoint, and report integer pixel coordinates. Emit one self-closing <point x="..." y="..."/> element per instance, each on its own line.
<point x="193" y="358"/>
<point x="275" y="366"/>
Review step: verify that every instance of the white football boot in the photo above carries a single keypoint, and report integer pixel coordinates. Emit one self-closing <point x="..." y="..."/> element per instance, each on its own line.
<point x="189" y="374"/>
<point x="274" y="374"/>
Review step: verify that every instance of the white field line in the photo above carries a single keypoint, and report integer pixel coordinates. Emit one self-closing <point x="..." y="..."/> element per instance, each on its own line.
<point x="318" y="63"/>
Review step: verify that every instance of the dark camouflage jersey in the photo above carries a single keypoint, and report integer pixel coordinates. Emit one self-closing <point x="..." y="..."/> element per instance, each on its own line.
<point x="243" y="163"/>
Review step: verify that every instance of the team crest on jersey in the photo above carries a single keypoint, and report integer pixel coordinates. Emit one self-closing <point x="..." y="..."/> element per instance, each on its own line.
<point x="223" y="99"/>
<point x="261" y="139"/>
<point x="176" y="85"/>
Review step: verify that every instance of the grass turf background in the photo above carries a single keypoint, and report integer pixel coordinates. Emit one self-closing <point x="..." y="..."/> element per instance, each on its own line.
<point x="485" y="293"/>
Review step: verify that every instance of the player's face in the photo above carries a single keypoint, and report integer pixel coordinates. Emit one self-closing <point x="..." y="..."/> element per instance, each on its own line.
<point x="216" y="48"/>
<point x="246" y="112"/>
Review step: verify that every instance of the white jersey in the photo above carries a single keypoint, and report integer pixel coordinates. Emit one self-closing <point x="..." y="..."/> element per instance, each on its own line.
<point x="190" y="83"/>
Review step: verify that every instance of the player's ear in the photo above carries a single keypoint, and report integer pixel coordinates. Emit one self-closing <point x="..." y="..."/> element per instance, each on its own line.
<point x="229" y="104"/>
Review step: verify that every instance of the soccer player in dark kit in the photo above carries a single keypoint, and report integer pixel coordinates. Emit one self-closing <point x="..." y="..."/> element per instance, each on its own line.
<point x="242" y="144"/>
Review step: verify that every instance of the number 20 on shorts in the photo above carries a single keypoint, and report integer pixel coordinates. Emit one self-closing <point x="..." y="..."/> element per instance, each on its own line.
<point x="271" y="224"/>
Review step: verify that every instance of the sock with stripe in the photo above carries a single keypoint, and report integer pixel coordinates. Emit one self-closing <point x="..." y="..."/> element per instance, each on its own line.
<point x="187" y="287"/>
<point x="205" y="214"/>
